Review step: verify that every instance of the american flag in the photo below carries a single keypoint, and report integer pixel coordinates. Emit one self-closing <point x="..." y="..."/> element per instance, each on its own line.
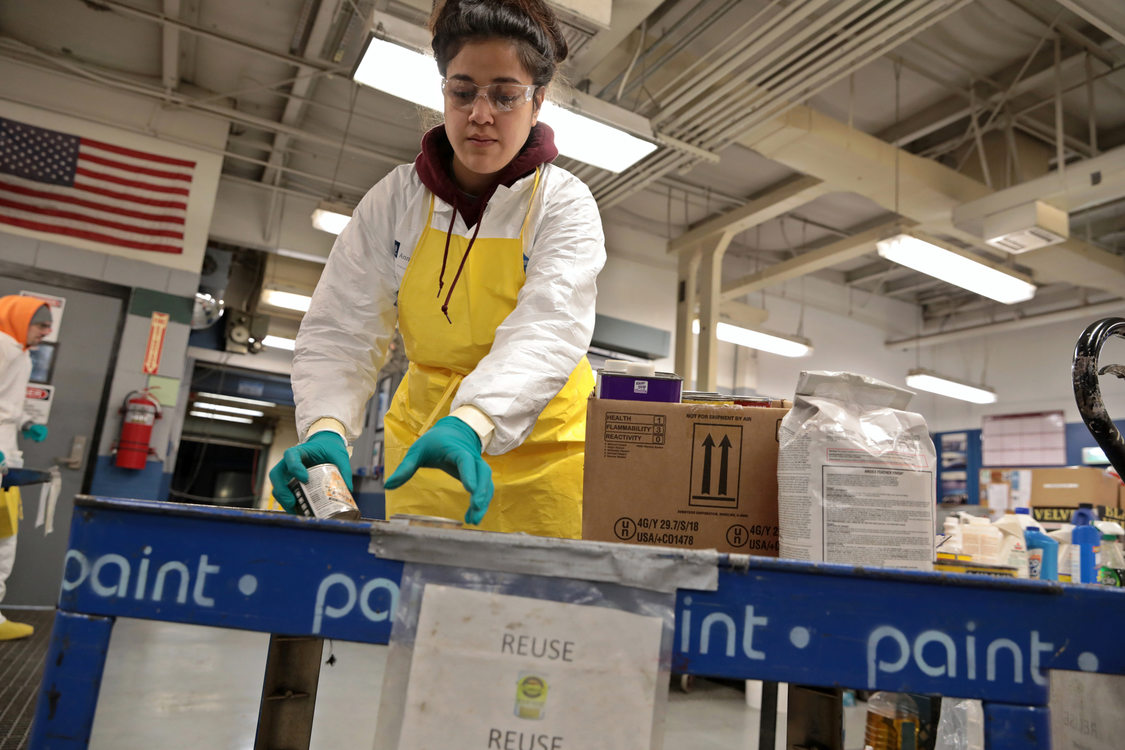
<point x="65" y="184"/>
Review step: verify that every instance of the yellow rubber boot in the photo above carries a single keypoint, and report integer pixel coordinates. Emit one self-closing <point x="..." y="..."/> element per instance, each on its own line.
<point x="10" y="631"/>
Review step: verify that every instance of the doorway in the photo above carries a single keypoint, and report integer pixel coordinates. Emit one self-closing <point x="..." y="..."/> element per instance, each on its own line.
<point x="74" y="369"/>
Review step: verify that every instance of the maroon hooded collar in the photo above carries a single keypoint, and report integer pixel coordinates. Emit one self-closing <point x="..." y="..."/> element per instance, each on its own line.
<point x="434" y="167"/>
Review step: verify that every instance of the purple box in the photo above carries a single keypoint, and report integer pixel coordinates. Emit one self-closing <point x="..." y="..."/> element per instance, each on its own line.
<point x="663" y="387"/>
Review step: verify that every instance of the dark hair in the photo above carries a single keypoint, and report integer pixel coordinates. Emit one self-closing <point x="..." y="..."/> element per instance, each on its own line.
<point x="529" y="23"/>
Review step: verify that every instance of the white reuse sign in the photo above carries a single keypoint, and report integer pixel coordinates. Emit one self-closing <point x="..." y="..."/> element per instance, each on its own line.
<point x="499" y="672"/>
<point x="1086" y="710"/>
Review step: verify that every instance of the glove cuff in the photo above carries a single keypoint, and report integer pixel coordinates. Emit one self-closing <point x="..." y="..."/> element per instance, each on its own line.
<point x="480" y="422"/>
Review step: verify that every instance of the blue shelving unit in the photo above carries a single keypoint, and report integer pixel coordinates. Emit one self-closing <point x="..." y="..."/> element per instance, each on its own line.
<point x="814" y="624"/>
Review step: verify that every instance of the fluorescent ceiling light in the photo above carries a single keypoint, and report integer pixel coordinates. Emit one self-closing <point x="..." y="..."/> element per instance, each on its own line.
<point x="413" y="76"/>
<point x="593" y="142"/>
<point x="236" y="399"/>
<point x="286" y="300"/>
<point x="277" y="342"/>
<point x="331" y="217"/>
<point x="957" y="267"/>
<point x="928" y="380"/>
<point x="786" y="346"/>
<point x="229" y="409"/>
<point x="402" y="72"/>
<point x="223" y="417"/>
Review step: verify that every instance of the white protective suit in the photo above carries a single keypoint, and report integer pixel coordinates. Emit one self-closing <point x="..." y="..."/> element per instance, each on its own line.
<point x="15" y="369"/>
<point x="344" y="336"/>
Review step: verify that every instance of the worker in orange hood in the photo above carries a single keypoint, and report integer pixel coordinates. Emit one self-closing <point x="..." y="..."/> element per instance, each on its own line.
<point x="24" y="321"/>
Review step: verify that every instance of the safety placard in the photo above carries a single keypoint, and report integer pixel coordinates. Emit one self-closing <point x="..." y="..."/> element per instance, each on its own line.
<point x="716" y="465"/>
<point x="37" y="403"/>
<point x="155" y="346"/>
<point x="499" y="671"/>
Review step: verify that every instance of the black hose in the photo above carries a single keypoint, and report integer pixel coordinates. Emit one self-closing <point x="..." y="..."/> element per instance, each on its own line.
<point x="1088" y="394"/>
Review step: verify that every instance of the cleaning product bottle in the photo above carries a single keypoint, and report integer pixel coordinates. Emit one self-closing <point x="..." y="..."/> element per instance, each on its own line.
<point x="1013" y="550"/>
<point x="1023" y="515"/>
<point x="1085" y="541"/>
<point x="892" y="722"/>
<point x="981" y="539"/>
<point x="1042" y="555"/>
<point x="1111" y="565"/>
<point x="1062" y="536"/>
<point x="951" y="535"/>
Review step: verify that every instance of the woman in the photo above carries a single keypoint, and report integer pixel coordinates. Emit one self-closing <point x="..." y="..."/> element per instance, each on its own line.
<point x="486" y="256"/>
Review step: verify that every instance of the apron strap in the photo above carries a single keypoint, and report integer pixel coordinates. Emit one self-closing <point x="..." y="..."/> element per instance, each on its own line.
<point x="444" y="401"/>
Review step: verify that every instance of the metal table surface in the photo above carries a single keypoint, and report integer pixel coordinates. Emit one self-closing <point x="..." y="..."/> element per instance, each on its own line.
<point x="806" y="623"/>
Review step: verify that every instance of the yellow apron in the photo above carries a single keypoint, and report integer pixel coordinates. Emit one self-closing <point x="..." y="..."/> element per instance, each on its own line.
<point x="11" y="511"/>
<point x="539" y="483"/>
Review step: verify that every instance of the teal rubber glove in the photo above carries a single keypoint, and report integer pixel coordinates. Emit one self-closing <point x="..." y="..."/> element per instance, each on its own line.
<point x="454" y="447"/>
<point x="324" y="447"/>
<point x="35" y="432"/>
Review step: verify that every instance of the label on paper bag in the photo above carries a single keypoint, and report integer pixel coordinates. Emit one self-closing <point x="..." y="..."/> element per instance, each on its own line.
<point x="875" y="516"/>
<point x="498" y="672"/>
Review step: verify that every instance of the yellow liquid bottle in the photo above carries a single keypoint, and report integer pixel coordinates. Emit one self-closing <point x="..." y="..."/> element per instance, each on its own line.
<point x="892" y="722"/>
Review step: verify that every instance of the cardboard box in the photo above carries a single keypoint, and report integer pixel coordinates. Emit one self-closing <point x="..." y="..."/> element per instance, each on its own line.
<point x="682" y="475"/>
<point x="1062" y="487"/>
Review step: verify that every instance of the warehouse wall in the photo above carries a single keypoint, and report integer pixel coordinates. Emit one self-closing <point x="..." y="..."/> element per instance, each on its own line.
<point x="154" y="288"/>
<point x="159" y="282"/>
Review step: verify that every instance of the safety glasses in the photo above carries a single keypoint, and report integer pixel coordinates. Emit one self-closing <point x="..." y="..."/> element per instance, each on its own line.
<point x="503" y="97"/>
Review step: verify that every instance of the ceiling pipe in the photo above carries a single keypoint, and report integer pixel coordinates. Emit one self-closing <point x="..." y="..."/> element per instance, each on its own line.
<point x="889" y="28"/>
<point x="1031" y="321"/>
<point x="786" y="60"/>
<point x="829" y="70"/>
<point x="128" y="10"/>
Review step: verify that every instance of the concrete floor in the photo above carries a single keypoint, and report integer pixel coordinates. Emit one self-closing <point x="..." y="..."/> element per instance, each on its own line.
<point x="169" y="685"/>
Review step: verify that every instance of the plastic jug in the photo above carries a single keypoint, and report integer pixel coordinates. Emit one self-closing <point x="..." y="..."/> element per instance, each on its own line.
<point x="1013" y="550"/>
<point x="1085" y="541"/>
<point x="1042" y="555"/>
<point x="951" y="535"/>
<point x="1062" y="560"/>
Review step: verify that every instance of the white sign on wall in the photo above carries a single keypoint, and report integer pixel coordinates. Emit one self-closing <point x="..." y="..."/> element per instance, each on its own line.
<point x="37" y="404"/>
<point x="498" y="671"/>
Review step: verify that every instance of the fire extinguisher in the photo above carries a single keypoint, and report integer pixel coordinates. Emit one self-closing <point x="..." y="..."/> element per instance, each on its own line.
<point x="139" y="413"/>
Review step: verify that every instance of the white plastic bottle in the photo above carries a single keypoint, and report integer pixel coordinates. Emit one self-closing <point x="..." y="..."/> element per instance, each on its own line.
<point x="1062" y="535"/>
<point x="1014" y="546"/>
<point x="951" y="535"/>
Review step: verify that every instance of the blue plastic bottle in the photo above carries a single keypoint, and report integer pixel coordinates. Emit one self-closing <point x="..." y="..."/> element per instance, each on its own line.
<point x="1086" y="540"/>
<point x="1042" y="554"/>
